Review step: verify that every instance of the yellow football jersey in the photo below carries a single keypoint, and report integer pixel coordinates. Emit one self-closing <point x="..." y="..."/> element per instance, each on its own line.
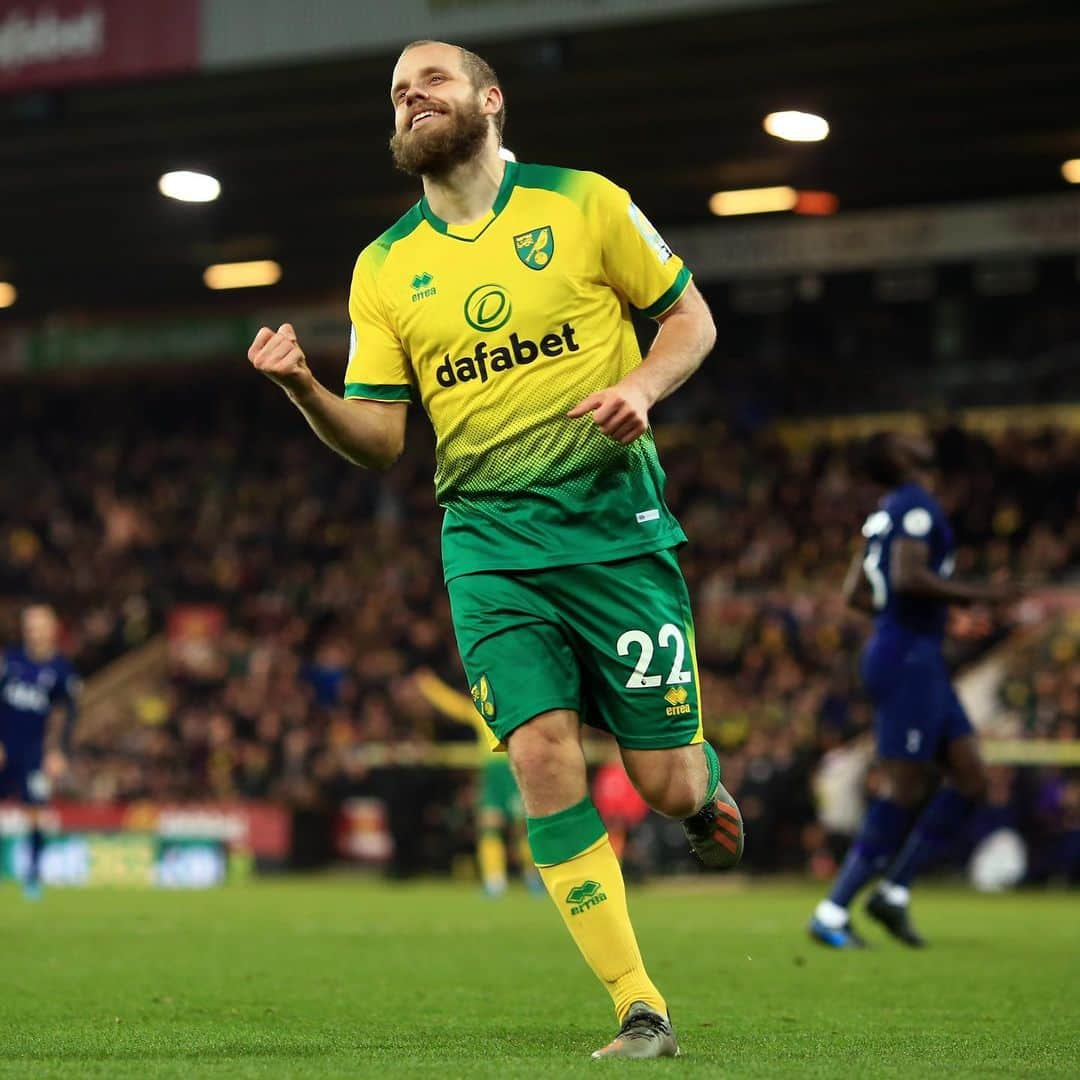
<point x="499" y="328"/>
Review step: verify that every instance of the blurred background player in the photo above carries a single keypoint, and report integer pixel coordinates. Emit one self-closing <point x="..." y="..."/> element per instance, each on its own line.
<point x="499" y="813"/>
<point x="558" y="547"/>
<point x="902" y="578"/>
<point x="619" y="804"/>
<point x="500" y="820"/>
<point x="35" y="681"/>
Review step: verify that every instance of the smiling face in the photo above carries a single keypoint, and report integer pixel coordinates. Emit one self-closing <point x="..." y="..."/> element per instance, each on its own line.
<point x="441" y="117"/>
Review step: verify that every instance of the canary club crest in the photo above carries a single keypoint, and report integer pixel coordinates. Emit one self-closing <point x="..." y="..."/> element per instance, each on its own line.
<point x="484" y="698"/>
<point x="535" y="248"/>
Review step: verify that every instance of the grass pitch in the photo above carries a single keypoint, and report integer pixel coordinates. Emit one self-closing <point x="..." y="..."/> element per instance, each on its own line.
<point x="344" y="977"/>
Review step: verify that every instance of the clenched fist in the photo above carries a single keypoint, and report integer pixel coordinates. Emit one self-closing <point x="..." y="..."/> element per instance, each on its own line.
<point x="279" y="357"/>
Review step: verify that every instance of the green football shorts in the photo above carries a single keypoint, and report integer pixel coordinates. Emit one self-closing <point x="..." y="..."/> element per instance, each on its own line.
<point x="498" y="790"/>
<point x="613" y="641"/>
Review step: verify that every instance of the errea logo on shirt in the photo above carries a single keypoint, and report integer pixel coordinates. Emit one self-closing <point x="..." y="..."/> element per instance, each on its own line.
<point x="422" y="287"/>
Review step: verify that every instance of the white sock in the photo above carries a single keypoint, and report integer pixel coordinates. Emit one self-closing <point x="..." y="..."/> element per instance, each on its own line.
<point x="831" y="915"/>
<point x="895" y="894"/>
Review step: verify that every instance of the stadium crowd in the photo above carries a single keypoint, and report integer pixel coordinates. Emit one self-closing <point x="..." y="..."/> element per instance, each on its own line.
<point x="300" y="595"/>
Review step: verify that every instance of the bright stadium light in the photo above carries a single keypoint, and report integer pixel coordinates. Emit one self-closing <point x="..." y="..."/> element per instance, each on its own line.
<point x="507" y="155"/>
<point x="765" y="200"/>
<point x="242" y="275"/>
<point x="797" y="126"/>
<point x="8" y="294"/>
<point x="187" y="186"/>
<point x="1071" y="170"/>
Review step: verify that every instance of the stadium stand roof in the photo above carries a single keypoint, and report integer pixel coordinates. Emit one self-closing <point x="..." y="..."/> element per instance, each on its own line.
<point x="928" y="103"/>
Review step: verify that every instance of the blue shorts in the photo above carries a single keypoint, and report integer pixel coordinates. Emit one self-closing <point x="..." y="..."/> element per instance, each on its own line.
<point x="916" y="710"/>
<point x="23" y="780"/>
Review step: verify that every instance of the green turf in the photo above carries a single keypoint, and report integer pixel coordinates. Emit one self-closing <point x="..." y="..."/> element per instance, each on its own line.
<point x="344" y="977"/>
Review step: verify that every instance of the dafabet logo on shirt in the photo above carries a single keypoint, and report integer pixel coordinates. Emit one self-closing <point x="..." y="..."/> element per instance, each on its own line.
<point x="516" y="351"/>
<point x="488" y="308"/>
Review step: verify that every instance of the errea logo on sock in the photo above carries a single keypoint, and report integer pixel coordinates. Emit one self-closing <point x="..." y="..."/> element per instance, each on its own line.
<point x="584" y="896"/>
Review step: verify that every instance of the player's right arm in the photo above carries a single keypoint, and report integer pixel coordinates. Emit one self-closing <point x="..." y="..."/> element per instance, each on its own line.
<point x="367" y="433"/>
<point x="911" y="575"/>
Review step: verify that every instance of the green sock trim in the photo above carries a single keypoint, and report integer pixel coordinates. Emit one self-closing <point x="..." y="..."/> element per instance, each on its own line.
<point x="560" y="837"/>
<point x="713" y="763"/>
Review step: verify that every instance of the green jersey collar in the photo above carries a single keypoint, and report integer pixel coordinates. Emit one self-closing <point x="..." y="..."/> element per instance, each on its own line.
<point x="475" y="229"/>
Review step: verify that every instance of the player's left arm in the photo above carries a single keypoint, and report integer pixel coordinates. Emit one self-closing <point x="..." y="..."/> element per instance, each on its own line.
<point x="641" y="268"/>
<point x="66" y="700"/>
<point x="686" y="336"/>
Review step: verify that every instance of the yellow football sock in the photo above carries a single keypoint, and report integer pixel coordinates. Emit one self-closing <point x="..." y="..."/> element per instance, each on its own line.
<point x="586" y="884"/>
<point x="491" y="855"/>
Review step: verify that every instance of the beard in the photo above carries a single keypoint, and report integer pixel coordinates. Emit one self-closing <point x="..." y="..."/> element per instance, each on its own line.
<point x="435" y="153"/>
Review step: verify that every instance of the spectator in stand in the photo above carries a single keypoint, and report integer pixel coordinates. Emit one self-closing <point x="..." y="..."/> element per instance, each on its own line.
<point x="329" y="586"/>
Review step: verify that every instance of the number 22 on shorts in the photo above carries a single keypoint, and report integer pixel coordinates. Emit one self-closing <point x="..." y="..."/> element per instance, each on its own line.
<point x="668" y="635"/>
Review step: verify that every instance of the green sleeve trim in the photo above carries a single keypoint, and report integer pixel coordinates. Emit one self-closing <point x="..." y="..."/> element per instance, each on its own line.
<point x="560" y="837"/>
<point x="378" y="391"/>
<point x="678" y="287"/>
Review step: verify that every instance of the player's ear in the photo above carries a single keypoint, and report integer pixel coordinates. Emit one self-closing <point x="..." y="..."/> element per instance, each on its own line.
<point x="493" y="101"/>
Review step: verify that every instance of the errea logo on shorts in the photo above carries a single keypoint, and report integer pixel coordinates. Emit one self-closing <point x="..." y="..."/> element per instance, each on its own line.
<point x="678" y="703"/>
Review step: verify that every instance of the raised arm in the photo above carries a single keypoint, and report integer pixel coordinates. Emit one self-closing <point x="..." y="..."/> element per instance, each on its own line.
<point x="367" y="433"/>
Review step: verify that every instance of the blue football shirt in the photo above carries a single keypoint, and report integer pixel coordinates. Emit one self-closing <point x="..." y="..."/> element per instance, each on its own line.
<point x="29" y="691"/>
<point x="909" y="511"/>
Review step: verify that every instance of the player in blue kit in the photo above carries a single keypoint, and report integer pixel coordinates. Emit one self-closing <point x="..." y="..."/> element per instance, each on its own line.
<point x="902" y="577"/>
<point x="35" y="681"/>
